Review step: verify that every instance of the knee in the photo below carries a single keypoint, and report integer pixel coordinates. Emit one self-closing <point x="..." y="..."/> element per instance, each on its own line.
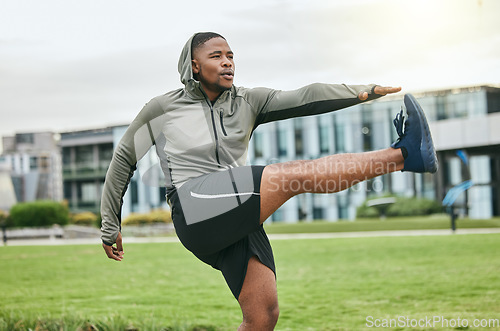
<point x="272" y="315"/>
<point x="263" y="319"/>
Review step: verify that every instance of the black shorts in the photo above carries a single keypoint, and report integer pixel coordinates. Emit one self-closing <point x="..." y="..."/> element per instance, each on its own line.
<point x="216" y="217"/>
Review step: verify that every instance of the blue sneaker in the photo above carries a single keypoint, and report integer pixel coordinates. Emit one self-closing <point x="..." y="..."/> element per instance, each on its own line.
<point x="416" y="140"/>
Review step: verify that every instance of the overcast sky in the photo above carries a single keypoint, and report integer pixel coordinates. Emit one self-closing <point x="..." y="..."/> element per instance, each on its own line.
<point x="69" y="65"/>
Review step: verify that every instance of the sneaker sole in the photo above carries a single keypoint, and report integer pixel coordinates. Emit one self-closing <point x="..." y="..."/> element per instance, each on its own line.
<point x="427" y="150"/>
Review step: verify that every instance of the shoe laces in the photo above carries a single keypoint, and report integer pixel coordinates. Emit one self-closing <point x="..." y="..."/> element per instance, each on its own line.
<point x="399" y="121"/>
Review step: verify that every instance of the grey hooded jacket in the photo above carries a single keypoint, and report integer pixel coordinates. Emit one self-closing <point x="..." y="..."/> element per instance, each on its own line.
<point x="192" y="137"/>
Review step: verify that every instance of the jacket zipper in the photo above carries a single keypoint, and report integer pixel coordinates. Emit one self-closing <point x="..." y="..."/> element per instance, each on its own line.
<point x="215" y="133"/>
<point x="214" y="127"/>
<point x="222" y="124"/>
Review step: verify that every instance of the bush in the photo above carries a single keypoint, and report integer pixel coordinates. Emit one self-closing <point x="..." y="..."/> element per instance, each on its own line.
<point x="403" y="206"/>
<point x="38" y="213"/>
<point x="365" y="211"/>
<point x="414" y="207"/>
<point x="155" y="216"/>
<point x="3" y="218"/>
<point x="86" y="218"/>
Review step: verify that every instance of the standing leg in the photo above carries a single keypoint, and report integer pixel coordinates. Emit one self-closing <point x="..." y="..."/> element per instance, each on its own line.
<point x="329" y="174"/>
<point x="258" y="298"/>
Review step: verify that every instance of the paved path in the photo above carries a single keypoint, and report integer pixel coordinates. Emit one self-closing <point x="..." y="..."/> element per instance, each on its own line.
<point x="284" y="236"/>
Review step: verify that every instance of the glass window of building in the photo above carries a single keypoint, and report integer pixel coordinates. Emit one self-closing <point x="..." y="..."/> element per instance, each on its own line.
<point x="68" y="191"/>
<point x="493" y="102"/>
<point x="324" y="138"/>
<point x="258" y="144"/>
<point x="84" y="154"/>
<point x="366" y="127"/>
<point x="134" y="192"/>
<point x="105" y="152"/>
<point x="460" y="105"/>
<point x="429" y="106"/>
<point x="453" y="171"/>
<point x="105" y="155"/>
<point x="339" y="137"/>
<point x="163" y="193"/>
<point x="25" y="138"/>
<point x="428" y="186"/>
<point x="299" y="139"/>
<point x="66" y="155"/>
<point x="441" y="108"/>
<point x="281" y="139"/>
<point x="318" y="210"/>
<point x="343" y="206"/>
<point x="318" y="213"/>
<point x="87" y="193"/>
<point x="33" y="162"/>
<point x="477" y="104"/>
<point x="18" y="183"/>
<point x="480" y="169"/>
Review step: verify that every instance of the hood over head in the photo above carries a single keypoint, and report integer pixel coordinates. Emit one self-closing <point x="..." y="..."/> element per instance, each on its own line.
<point x="184" y="67"/>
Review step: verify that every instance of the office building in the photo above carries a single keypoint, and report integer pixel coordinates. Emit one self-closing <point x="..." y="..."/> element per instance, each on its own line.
<point x="34" y="162"/>
<point x="86" y="156"/>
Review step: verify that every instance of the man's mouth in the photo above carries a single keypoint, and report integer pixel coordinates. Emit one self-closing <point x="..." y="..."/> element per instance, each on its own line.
<point x="228" y="74"/>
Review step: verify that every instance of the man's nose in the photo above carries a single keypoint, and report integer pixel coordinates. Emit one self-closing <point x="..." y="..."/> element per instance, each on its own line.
<point x="227" y="62"/>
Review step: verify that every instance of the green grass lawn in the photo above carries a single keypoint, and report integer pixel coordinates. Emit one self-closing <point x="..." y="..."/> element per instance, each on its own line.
<point x="323" y="284"/>
<point x="375" y="224"/>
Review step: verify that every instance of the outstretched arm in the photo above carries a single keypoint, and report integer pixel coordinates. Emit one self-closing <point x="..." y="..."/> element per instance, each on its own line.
<point x="314" y="99"/>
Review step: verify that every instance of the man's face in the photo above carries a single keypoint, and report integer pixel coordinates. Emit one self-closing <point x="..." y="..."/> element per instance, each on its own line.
<point x="214" y="65"/>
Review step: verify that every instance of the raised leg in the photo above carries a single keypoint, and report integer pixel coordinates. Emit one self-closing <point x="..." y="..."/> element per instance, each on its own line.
<point x="258" y="298"/>
<point x="328" y="174"/>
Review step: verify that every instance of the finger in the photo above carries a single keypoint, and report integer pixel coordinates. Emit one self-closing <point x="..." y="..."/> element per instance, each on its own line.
<point x="383" y="90"/>
<point x="115" y="255"/>
<point x="119" y="243"/>
<point x="363" y="96"/>
<point x="393" y="89"/>
<point x="110" y="253"/>
<point x="117" y="252"/>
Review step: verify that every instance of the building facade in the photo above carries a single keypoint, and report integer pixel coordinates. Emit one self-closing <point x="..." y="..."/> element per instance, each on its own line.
<point x="86" y="156"/>
<point x="85" y="159"/>
<point x="461" y="119"/>
<point x="34" y="162"/>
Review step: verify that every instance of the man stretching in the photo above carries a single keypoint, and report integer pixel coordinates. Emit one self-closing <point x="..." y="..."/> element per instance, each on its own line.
<point x="218" y="204"/>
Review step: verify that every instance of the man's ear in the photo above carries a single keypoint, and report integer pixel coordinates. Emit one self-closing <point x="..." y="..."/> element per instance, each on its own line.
<point x="195" y="66"/>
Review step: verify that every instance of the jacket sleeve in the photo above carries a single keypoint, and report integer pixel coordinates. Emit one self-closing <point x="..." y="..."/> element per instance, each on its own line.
<point x="314" y="99"/>
<point x="135" y="143"/>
